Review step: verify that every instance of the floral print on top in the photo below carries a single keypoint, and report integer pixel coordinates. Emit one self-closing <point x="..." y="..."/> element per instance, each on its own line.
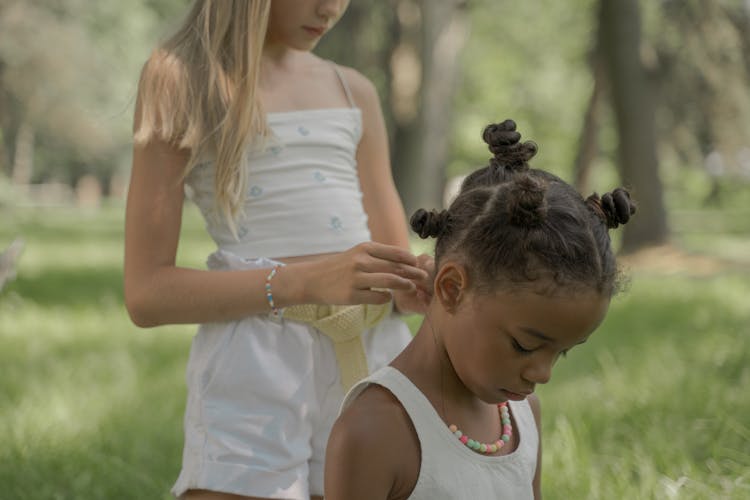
<point x="303" y="194"/>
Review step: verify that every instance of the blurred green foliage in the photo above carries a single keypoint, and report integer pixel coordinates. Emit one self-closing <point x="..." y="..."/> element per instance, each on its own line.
<point x="71" y="68"/>
<point x="526" y="61"/>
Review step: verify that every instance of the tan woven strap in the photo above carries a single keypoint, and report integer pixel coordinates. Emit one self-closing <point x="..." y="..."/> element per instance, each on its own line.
<point x="344" y="326"/>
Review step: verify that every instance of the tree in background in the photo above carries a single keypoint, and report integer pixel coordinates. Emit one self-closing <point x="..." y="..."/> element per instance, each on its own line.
<point x="67" y="78"/>
<point x="703" y="72"/>
<point x="633" y="100"/>
<point x="411" y="48"/>
<point x="695" y="57"/>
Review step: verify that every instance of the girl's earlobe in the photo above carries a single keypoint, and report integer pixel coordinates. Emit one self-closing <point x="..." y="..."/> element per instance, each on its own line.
<point x="450" y="284"/>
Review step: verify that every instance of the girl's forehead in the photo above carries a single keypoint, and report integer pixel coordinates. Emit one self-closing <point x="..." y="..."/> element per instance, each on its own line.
<point x="559" y="318"/>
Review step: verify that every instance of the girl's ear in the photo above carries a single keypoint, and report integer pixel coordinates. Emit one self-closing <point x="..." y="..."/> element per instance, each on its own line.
<point x="451" y="283"/>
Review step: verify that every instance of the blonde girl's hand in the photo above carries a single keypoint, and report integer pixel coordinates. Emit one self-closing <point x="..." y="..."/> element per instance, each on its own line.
<point x="362" y="275"/>
<point x="417" y="300"/>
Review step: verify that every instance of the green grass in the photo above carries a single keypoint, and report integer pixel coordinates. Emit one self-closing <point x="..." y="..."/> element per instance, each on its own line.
<point x="656" y="405"/>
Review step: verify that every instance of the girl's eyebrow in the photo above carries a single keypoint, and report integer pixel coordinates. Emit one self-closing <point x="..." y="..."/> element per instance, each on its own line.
<point x="536" y="333"/>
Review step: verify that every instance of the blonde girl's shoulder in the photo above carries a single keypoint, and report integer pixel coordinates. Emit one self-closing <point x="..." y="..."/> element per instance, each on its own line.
<point x="162" y="69"/>
<point x="162" y="96"/>
<point x="363" y="90"/>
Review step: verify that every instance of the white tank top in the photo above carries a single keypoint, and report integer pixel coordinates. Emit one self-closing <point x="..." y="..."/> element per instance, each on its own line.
<point x="450" y="470"/>
<point x="303" y="193"/>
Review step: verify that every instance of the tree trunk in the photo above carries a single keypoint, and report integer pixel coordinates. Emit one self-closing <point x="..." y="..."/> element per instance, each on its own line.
<point x="633" y="102"/>
<point x="425" y="66"/>
<point x="4" y="163"/>
<point x="588" y="144"/>
<point x="23" y="159"/>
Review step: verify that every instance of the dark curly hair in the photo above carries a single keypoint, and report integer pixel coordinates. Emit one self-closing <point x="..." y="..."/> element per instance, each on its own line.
<point x="516" y="226"/>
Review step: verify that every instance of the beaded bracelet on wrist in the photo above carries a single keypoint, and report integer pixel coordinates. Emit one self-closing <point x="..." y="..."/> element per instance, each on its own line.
<point x="269" y="295"/>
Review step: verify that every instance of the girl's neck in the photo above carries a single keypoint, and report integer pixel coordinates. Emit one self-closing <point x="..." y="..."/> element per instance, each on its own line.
<point x="281" y="56"/>
<point x="426" y="363"/>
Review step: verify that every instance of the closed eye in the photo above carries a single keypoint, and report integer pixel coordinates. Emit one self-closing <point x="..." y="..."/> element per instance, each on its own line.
<point x="519" y="348"/>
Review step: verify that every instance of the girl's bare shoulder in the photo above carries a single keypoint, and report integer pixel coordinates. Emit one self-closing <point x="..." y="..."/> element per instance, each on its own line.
<point x="376" y="408"/>
<point x="374" y="421"/>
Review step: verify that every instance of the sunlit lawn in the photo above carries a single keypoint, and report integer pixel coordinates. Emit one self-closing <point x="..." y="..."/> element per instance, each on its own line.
<point x="656" y="405"/>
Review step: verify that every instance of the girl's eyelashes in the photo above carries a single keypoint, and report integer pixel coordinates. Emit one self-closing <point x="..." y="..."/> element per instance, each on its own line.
<point x="523" y="350"/>
<point x="519" y="348"/>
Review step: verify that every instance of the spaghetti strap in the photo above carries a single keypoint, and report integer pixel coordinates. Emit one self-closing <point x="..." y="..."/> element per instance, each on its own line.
<point x="344" y="84"/>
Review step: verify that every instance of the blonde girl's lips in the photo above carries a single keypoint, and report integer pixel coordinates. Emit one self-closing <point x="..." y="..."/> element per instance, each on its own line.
<point x="314" y="31"/>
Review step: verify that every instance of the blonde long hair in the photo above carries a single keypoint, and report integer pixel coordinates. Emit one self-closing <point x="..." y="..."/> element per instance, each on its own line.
<point x="199" y="91"/>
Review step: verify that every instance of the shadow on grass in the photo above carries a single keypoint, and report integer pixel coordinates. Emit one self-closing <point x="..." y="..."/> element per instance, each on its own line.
<point x="70" y="287"/>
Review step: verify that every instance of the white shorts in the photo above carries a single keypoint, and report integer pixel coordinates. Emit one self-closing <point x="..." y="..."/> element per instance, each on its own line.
<point x="263" y="394"/>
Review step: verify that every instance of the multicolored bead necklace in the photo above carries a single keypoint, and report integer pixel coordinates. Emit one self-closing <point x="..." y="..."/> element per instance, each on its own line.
<point x="472" y="444"/>
<point x="488" y="447"/>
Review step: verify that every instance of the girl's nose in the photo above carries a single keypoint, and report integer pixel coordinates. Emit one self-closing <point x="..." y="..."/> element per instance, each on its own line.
<point x="331" y="9"/>
<point x="538" y="371"/>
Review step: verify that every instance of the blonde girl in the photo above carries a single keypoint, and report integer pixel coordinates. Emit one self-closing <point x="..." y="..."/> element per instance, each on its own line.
<point x="286" y="156"/>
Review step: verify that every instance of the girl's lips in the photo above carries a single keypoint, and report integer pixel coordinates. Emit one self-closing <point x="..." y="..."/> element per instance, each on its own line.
<point x="514" y="396"/>
<point x="314" y="31"/>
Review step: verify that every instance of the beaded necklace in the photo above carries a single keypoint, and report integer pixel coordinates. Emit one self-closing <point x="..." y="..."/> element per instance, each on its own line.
<point x="472" y="444"/>
<point x="487" y="447"/>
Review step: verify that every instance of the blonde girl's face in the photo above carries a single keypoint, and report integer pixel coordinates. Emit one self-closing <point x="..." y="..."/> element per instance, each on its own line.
<point x="503" y="344"/>
<point x="300" y="24"/>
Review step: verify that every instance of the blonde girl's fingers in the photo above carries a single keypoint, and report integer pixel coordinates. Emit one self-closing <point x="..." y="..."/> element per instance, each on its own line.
<point x="385" y="280"/>
<point x="371" y="297"/>
<point x="394" y="260"/>
<point x="400" y="270"/>
<point x="426" y="262"/>
<point x="390" y="253"/>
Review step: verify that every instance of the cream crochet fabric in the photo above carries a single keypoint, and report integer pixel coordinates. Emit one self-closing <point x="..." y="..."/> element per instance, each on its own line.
<point x="344" y="326"/>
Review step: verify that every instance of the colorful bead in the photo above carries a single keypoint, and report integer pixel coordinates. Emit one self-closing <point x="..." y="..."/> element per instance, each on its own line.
<point x="487" y="448"/>
<point x="269" y="296"/>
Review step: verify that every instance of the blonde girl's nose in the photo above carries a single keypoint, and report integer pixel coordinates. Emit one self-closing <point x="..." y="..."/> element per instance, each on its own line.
<point x="331" y="9"/>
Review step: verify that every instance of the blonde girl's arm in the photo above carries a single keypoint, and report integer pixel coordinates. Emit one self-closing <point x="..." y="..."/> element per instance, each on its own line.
<point x="381" y="201"/>
<point x="385" y="212"/>
<point x="157" y="291"/>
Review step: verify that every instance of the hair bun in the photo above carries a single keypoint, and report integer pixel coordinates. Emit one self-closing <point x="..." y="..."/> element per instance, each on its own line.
<point x="613" y="208"/>
<point x="505" y="143"/>
<point x="429" y="224"/>
<point x="526" y="202"/>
